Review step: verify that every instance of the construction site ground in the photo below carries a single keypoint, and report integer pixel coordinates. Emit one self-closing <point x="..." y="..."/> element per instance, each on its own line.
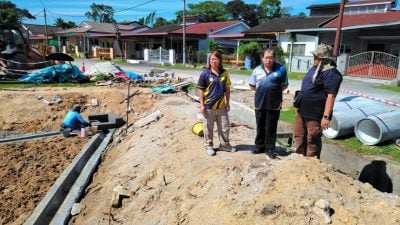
<point x="166" y="174"/>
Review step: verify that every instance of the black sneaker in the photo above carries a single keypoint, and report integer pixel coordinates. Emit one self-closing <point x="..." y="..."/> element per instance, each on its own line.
<point x="271" y="153"/>
<point x="257" y="151"/>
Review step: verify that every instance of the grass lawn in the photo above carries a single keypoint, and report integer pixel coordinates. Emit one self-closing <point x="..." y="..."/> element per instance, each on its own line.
<point x="390" y="88"/>
<point x="388" y="149"/>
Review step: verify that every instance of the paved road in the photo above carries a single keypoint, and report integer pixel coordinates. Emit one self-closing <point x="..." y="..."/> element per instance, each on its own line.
<point x="350" y="86"/>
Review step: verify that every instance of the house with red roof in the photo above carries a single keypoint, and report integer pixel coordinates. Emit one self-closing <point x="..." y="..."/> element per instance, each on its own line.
<point x="197" y="36"/>
<point x="367" y="25"/>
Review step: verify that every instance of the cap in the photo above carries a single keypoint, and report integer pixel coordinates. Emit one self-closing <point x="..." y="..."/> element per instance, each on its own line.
<point x="323" y="51"/>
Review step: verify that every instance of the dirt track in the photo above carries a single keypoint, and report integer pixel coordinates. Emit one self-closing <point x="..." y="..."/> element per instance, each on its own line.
<point x="171" y="179"/>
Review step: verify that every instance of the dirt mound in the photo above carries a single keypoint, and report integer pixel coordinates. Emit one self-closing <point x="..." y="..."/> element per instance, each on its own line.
<point x="29" y="168"/>
<point x="172" y="181"/>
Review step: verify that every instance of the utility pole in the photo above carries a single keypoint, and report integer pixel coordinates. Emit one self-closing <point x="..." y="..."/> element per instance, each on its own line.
<point x="339" y="29"/>
<point x="184" y="33"/>
<point x="45" y="29"/>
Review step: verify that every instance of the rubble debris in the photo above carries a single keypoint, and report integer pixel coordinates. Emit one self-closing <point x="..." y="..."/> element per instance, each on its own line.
<point x="148" y="119"/>
<point x="104" y="83"/>
<point x="94" y="102"/>
<point x="118" y="194"/>
<point x="322" y="208"/>
<point x="77" y="208"/>
<point x="47" y="102"/>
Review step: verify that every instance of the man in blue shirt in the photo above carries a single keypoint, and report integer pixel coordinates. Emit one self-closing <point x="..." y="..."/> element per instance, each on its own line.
<point x="73" y="120"/>
<point x="318" y="92"/>
<point x="268" y="80"/>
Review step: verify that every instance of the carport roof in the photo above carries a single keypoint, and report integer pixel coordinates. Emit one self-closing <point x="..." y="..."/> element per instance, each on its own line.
<point x="205" y="28"/>
<point x="163" y="30"/>
<point x="282" y="24"/>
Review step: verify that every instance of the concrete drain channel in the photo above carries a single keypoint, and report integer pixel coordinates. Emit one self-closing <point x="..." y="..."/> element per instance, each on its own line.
<point x="55" y="207"/>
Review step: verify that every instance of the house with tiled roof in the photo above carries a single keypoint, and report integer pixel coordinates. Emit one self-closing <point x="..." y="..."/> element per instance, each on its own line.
<point x="197" y="36"/>
<point x="89" y="35"/>
<point x="367" y="25"/>
<point x="37" y="33"/>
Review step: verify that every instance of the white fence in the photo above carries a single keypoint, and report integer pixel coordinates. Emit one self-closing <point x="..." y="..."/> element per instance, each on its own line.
<point x="159" y="55"/>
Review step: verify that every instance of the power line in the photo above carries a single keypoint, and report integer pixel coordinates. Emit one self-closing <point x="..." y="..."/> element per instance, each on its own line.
<point x="59" y="14"/>
<point x="134" y="6"/>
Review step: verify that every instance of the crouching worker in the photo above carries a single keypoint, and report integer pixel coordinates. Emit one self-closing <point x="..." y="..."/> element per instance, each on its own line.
<point x="73" y="121"/>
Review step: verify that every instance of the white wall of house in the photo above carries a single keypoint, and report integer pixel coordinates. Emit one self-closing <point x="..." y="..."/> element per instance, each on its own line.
<point x="309" y="41"/>
<point x="301" y="60"/>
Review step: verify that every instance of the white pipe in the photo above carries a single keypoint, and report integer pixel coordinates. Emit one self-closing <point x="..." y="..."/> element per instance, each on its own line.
<point x="379" y="128"/>
<point x="343" y="122"/>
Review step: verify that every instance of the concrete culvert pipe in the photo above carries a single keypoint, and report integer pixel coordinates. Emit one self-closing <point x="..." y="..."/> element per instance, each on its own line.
<point x="343" y="122"/>
<point x="379" y="128"/>
<point x="353" y="104"/>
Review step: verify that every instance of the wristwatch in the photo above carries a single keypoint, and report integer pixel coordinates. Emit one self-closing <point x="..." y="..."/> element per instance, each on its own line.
<point x="326" y="117"/>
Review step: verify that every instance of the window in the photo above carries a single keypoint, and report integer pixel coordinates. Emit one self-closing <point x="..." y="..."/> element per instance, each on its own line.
<point x="345" y="49"/>
<point x="298" y="49"/>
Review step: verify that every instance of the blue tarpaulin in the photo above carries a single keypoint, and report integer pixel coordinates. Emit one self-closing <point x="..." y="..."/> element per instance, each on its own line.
<point x="56" y="74"/>
<point x="164" y="89"/>
<point x="133" y="75"/>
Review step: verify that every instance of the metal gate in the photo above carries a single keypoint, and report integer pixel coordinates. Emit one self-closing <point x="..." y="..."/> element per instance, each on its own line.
<point x="159" y="55"/>
<point x="378" y="65"/>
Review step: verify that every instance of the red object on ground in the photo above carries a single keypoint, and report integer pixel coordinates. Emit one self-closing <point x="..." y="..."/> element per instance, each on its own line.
<point x="83" y="67"/>
<point x="122" y="75"/>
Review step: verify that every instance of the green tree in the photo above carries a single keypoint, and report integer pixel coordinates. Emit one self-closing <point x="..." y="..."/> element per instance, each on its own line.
<point x="65" y="25"/>
<point x="211" y="11"/>
<point x="212" y="45"/>
<point x="161" y="21"/>
<point x="271" y="8"/>
<point x="301" y="14"/>
<point x="101" y="13"/>
<point x="248" y="13"/>
<point x="148" y="20"/>
<point x="285" y="11"/>
<point x="11" y="15"/>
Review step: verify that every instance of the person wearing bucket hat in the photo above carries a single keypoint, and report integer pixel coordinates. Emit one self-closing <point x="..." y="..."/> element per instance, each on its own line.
<point x="73" y="121"/>
<point x="318" y="92"/>
<point x="268" y="80"/>
<point x="214" y="95"/>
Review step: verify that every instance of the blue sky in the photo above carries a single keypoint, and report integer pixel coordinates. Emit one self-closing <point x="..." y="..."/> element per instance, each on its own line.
<point x="74" y="10"/>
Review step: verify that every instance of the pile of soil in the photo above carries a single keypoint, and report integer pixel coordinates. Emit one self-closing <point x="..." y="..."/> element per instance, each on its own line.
<point x="165" y="171"/>
<point x="170" y="180"/>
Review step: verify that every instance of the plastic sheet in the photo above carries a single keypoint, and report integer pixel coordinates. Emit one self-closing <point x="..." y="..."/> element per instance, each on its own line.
<point x="60" y="73"/>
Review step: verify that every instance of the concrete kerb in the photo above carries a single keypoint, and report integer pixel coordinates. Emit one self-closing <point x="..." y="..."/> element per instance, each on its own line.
<point x="27" y="137"/>
<point x="64" y="212"/>
<point x="71" y="179"/>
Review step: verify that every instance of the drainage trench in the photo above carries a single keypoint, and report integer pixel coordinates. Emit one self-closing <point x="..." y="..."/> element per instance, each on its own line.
<point x="56" y="206"/>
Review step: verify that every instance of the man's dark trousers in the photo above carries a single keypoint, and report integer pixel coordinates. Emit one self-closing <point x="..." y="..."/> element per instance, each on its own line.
<point x="267" y="123"/>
